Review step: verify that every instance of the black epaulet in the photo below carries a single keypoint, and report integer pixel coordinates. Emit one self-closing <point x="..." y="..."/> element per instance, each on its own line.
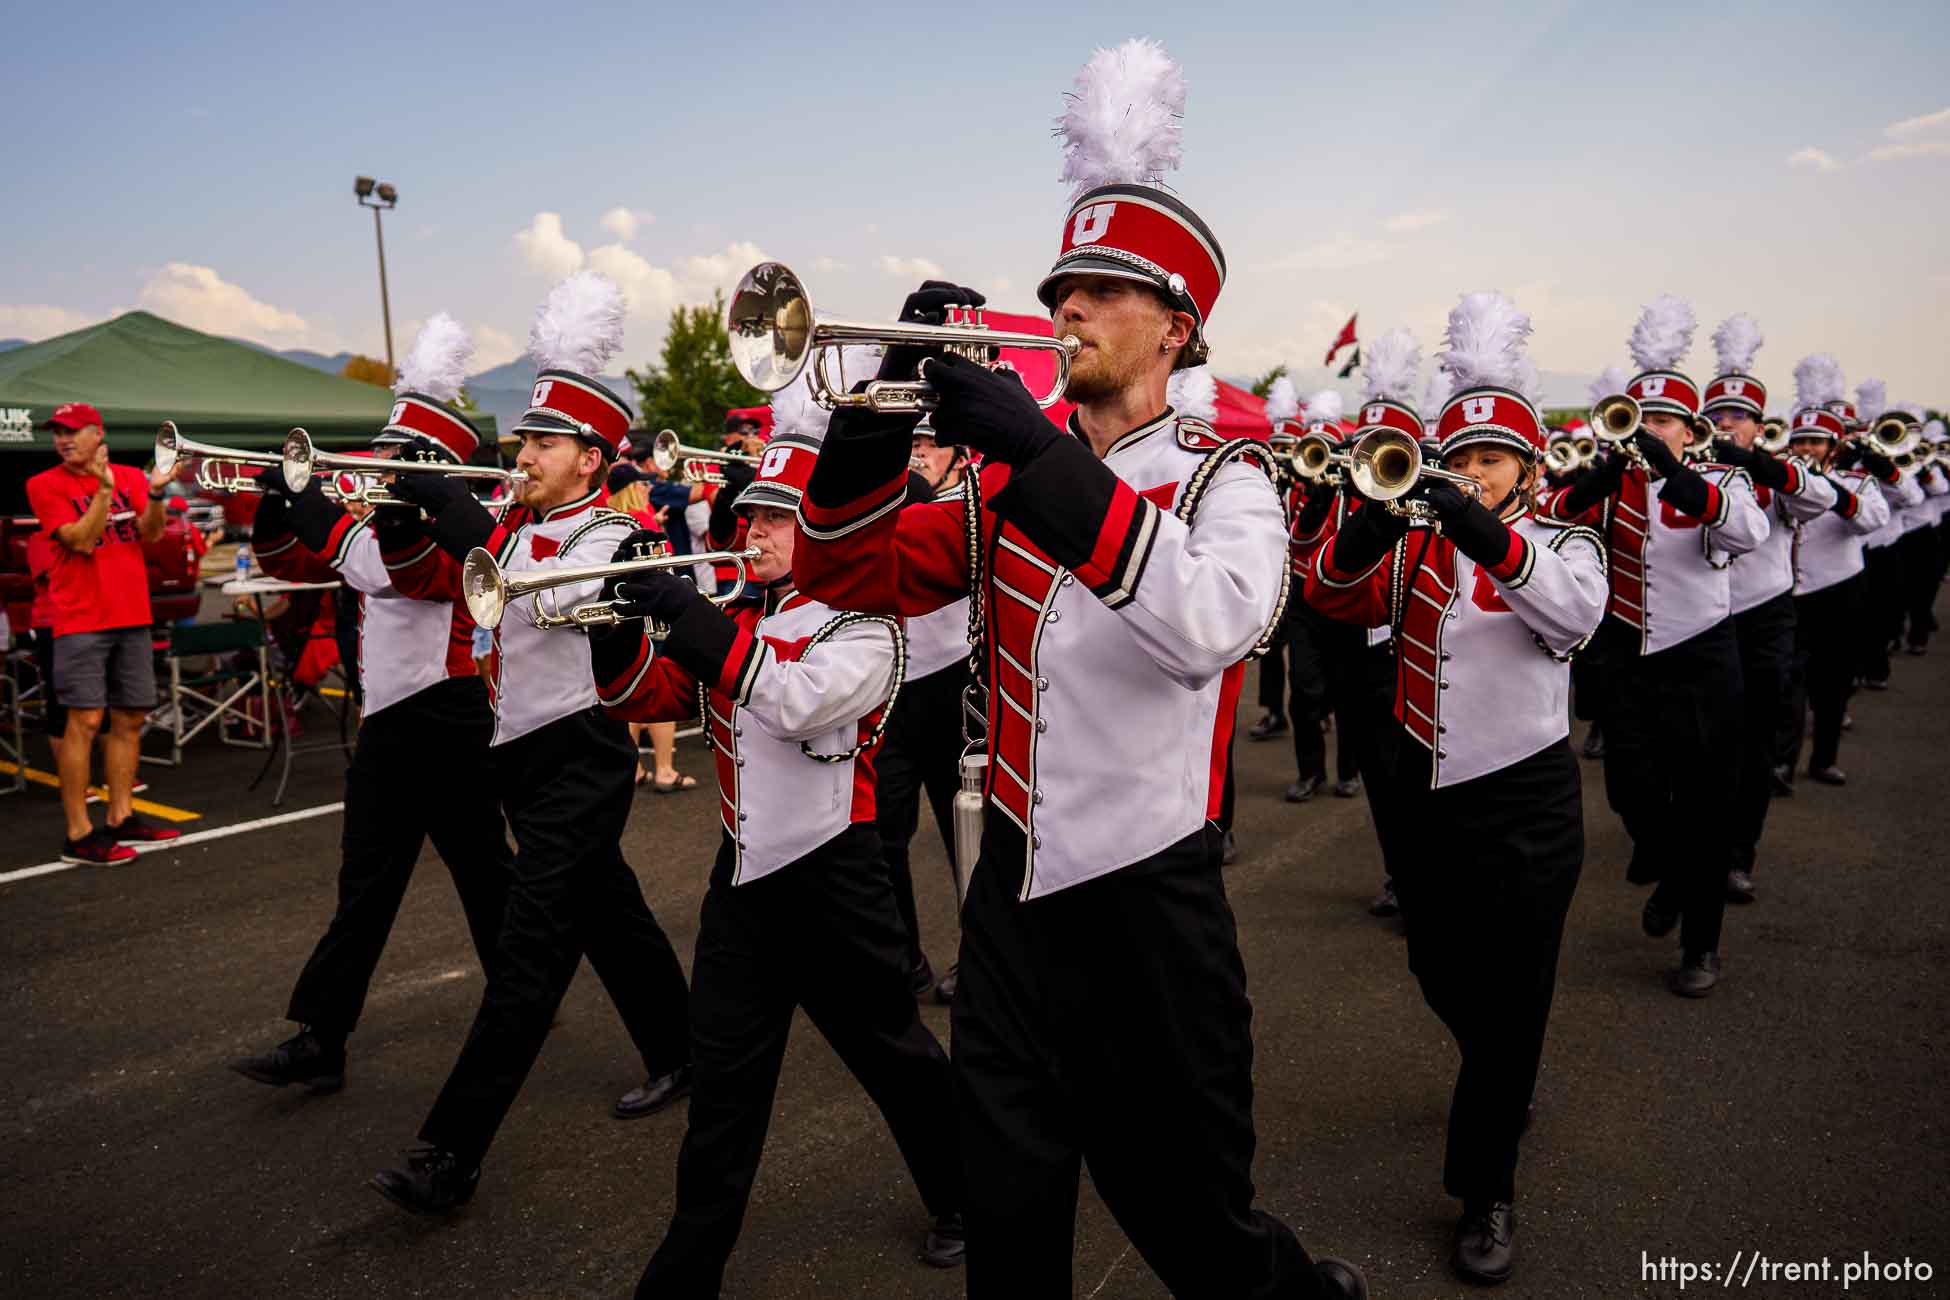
<point x="1196" y="435"/>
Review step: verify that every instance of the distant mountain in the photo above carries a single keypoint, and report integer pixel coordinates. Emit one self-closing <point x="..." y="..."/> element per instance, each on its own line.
<point x="8" y="345"/>
<point x="331" y="365"/>
<point x="1559" y="390"/>
<point x="520" y="374"/>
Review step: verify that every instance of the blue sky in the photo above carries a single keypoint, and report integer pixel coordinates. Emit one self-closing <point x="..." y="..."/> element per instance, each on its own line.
<point x="1790" y="160"/>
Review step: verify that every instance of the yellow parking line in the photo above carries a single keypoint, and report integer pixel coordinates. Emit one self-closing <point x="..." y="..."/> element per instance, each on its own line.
<point x="162" y="810"/>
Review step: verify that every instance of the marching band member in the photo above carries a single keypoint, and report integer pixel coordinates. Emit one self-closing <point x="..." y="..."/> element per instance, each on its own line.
<point x="1922" y="566"/>
<point x="1672" y="668"/>
<point x="1588" y="668"/>
<point x="1283" y="419"/>
<point x="1330" y="650"/>
<point x="563" y="770"/>
<point x="1828" y="574"/>
<point x="1881" y="623"/>
<point x="799" y="911"/>
<point x="1761" y="582"/>
<point x="421" y="698"/>
<point x="1101" y="1013"/>
<point x="1488" y="604"/>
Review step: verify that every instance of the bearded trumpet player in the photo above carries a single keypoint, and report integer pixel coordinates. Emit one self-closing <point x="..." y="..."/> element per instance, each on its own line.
<point x="1101" y="985"/>
<point x="562" y="770"/>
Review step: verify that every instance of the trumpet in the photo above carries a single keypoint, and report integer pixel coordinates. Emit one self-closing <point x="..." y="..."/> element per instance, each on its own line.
<point x="1700" y="445"/>
<point x="1773" y="436"/>
<point x="1892" y="435"/>
<point x="1387" y="464"/>
<point x="218" y="469"/>
<point x="776" y="337"/>
<point x="301" y="460"/>
<point x="695" y="464"/>
<point x="488" y="590"/>
<point x="1317" y="459"/>
<point x="1613" y="421"/>
<point x="1562" y="456"/>
<point x="1586" y="447"/>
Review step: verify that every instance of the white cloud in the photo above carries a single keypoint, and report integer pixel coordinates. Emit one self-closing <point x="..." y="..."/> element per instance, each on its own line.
<point x="651" y="291"/>
<point x="911" y="267"/>
<point x="35" y="321"/>
<point x="625" y="222"/>
<point x="720" y="270"/>
<point x="828" y="265"/>
<point x="1918" y="125"/>
<point x="546" y="249"/>
<point x="493" y="347"/>
<point x="1812" y="157"/>
<point x="1422" y="220"/>
<point x="1340" y="253"/>
<point x="1913" y="149"/>
<point x="198" y="297"/>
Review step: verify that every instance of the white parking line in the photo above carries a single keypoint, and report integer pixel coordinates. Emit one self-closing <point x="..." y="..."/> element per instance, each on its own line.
<point x="195" y="837"/>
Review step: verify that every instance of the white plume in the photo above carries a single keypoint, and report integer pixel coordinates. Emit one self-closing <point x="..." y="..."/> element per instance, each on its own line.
<point x="1817" y="380"/>
<point x="1326" y="407"/>
<point x="580" y="326"/>
<point x="1736" y="342"/>
<point x="1871" y="400"/>
<point x="793" y="407"/>
<point x="1611" y="381"/>
<point x="1194" y="392"/>
<point x="437" y="365"/>
<point x="1914" y="410"/>
<point x="1122" y="124"/>
<point x="1282" y="400"/>
<point x="1435" y="394"/>
<point x="1664" y="333"/>
<point x="1486" y="339"/>
<point x="1934" y="431"/>
<point x="1389" y="366"/>
<point x="1528" y="381"/>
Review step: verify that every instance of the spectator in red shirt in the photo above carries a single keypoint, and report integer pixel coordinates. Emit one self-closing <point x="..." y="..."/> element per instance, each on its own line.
<point x="99" y="514"/>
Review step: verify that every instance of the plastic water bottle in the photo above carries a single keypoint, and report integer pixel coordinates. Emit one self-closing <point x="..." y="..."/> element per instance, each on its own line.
<point x="243" y="561"/>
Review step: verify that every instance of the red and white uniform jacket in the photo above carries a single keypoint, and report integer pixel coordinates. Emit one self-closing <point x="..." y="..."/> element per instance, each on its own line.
<point x="1114" y="680"/>
<point x="1925" y="512"/>
<point x="1668" y="569"/>
<point x="939" y="640"/>
<point x="1828" y="548"/>
<point x="1767" y="571"/>
<point x="1484" y="675"/>
<point x="771" y="694"/>
<point x="535" y="676"/>
<point x="406" y="644"/>
<point x="1903" y="496"/>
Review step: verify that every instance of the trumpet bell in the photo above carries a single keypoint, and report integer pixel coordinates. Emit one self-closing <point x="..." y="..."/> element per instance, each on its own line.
<point x="770" y="322"/>
<point x="1893" y="436"/>
<point x="484" y="588"/>
<point x="1615" y="418"/>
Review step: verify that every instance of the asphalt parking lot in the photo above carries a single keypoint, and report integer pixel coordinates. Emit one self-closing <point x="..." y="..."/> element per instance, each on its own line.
<point x="1795" y="1115"/>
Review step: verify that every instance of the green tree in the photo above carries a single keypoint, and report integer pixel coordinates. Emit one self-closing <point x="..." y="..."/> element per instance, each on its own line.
<point x="1264" y="384"/>
<point x="368" y="370"/>
<point x="695" y="384"/>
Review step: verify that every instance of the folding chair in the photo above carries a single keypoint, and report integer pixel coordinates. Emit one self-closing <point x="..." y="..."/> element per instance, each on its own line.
<point x="13" y="726"/>
<point x="197" y="699"/>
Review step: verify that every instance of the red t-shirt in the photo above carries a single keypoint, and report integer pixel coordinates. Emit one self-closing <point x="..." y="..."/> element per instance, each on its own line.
<point x="108" y="588"/>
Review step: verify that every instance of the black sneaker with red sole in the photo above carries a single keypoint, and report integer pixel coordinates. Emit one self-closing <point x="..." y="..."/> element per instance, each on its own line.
<point x="98" y="848"/>
<point x="140" y="829"/>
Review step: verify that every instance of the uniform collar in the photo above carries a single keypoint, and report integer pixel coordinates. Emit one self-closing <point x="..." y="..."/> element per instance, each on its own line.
<point x="783" y="595"/>
<point x="596" y="497"/>
<point x="1127" y="440"/>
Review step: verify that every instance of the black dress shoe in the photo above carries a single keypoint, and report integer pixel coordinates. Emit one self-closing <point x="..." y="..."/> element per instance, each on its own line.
<point x="1848" y="719"/>
<point x="1303" y="789"/>
<point x="1784" y="782"/>
<point x="1640" y="871"/>
<point x="1695" y="976"/>
<point x="1740" y="887"/>
<point x="946" y="1244"/>
<point x="1594" y="742"/>
<point x="1347" y="789"/>
<point x="1385" y="903"/>
<point x="920" y="980"/>
<point x="654" y="1095"/>
<point x="1876" y="683"/>
<point x="305" y="1058"/>
<point x="433" y="1182"/>
<point x="1830" y="775"/>
<point x="944" y="992"/>
<point x="1340" y="1279"/>
<point x="1916" y="649"/>
<point x="1228" y="850"/>
<point x="1486" y="1243"/>
<point x="1269" y="725"/>
<point x="1656" y="919"/>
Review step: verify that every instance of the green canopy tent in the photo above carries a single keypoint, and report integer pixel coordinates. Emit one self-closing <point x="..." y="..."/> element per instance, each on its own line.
<point x="140" y="370"/>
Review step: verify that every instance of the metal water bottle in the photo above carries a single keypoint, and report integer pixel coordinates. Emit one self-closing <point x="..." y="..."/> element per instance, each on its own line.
<point x="968" y="821"/>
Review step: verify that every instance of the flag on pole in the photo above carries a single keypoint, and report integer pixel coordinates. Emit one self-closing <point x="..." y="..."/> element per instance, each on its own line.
<point x="1352" y="362"/>
<point x="1345" y="337"/>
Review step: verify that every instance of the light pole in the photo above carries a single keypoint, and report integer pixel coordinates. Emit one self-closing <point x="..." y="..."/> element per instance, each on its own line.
<point x="379" y="195"/>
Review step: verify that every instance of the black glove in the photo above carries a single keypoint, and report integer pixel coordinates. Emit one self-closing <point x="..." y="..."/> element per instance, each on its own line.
<point x="1656" y="453"/>
<point x="1845" y="502"/>
<point x="433" y="493"/>
<point x="1685" y="491"/>
<point x="312" y="517"/>
<point x="1848" y="456"/>
<point x="1447" y="500"/>
<point x="459" y="525"/>
<point x="658" y="595"/>
<point x="271" y="481"/>
<point x="724" y="518"/>
<point x="1728" y="452"/>
<point x="1596" y="483"/>
<point x="1766" y="469"/>
<point x="639" y="544"/>
<point x="1879" y="465"/>
<point x="1320" y="500"/>
<point x="1476" y="532"/>
<point x="397" y="529"/>
<point x="1365" y="536"/>
<point x="927" y="305"/>
<point x="988" y="411"/>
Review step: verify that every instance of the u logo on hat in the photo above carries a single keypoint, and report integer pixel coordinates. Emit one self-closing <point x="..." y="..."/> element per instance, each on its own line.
<point x="1478" y="409"/>
<point x="541" y="392"/>
<point x="1653" y="388"/>
<point x="399" y="409"/>
<point x="1371" y="415"/>
<point x="774" y="463"/>
<point x="1091" y="223"/>
<point x="1735" y="388"/>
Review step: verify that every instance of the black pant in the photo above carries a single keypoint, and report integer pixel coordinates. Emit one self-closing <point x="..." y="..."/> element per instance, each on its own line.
<point x="921" y="751"/>
<point x="1485" y="917"/>
<point x="1344" y="658"/>
<point x="1672" y="749"/>
<point x="1827" y="640"/>
<point x="823" y="934"/>
<point x="1272" y="666"/>
<point x="1922" y="575"/>
<point x="566" y="788"/>
<point x="1881" y="620"/>
<point x="420" y="770"/>
<point x="1108" y="1023"/>
<point x="1766" y="637"/>
<point x="1378" y="737"/>
<point x="1307" y="687"/>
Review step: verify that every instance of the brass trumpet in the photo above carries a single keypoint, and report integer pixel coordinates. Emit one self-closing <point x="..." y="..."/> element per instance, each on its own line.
<point x="1561" y="457"/>
<point x="218" y="469"/>
<point x="1387" y="464"/>
<point x="692" y="464"/>
<point x="1699" y="446"/>
<point x="1773" y="436"/>
<point x="1318" y="459"/>
<point x="1892" y="435"/>
<point x="776" y="337"/>
<point x="301" y="460"/>
<point x="488" y="590"/>
<point x="1586" y="447"/>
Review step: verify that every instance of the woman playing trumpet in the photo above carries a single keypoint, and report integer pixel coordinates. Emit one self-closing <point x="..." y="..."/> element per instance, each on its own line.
<point x="1487" y="607"/>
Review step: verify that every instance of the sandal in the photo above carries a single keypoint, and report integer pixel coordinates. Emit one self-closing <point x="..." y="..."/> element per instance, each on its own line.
<point x="681" y="784"/>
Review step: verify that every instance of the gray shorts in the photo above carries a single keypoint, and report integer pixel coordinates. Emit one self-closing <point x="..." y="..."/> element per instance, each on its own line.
<point x="115" y="669"/>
